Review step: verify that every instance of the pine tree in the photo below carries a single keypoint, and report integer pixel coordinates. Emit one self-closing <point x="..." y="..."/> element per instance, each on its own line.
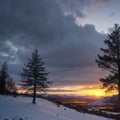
<point x="34" y="75"/>
<point x="110" y="60"/>
<point x="3" y="77"/>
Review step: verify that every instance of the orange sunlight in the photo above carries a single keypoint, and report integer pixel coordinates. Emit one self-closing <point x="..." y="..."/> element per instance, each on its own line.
<point x="81" y="90"/>
<point x="93" y="92"/>
<point x="78" y="90"/>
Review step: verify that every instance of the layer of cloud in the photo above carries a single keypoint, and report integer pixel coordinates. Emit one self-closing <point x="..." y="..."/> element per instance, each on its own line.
<point x="76" y="8"/>
<point x="66" y="47"/>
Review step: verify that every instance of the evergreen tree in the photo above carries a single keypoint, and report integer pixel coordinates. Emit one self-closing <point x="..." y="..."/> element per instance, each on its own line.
<point x="110" y="60"/>
<point x="34" y="75"/>
<point x="3" y="77"/>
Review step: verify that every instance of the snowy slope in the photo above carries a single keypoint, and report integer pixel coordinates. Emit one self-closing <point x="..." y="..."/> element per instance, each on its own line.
<point x="98" y="103"/>
<point x="21" y="107"/>
<point x="102" y="102"/>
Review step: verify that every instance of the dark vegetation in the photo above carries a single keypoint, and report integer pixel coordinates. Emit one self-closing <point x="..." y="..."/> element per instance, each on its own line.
<point x="34" y="75"/>
<point x="90" y="110"/>
<point x="110" y="60"/>
<point x="7" y="85"/>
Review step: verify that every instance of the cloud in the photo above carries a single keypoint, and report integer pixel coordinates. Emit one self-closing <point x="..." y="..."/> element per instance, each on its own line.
<point x="66" y="47"/>
<point x="72" y="8"/>
<point x="35" y="21"/>
<point x="76" y="8"/>
<point x="78" y="48"/>
<point x="111" y="14"/>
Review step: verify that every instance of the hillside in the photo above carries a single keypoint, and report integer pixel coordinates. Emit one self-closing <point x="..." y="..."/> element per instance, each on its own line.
<point x="102" y="102"/>
<point x="105" y="101"/>
<point x="21" y="108"/>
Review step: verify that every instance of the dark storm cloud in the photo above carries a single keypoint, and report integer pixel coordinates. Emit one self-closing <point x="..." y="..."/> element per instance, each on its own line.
<point x="65" y="46"/>
<point x="78" y="49"/>
<point x="76" y="76"/>
<point x="36" y="20"/>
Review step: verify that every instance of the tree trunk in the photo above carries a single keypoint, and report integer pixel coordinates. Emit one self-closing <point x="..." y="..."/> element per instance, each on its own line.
<point x="34" y="93"/>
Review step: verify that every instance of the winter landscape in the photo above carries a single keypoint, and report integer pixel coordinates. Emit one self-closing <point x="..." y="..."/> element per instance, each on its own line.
<point x="20" y="108"/>
<point x="59" y="60"/>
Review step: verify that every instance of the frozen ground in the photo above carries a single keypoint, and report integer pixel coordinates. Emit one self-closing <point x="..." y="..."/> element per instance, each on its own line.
<point x="21" y="108"/>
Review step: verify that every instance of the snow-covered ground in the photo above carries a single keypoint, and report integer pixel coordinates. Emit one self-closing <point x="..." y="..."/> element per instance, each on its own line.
<point x="101" y="102"/>
<point x="21" y="107"/>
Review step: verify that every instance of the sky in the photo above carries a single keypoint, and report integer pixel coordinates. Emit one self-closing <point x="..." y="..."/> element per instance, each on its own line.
<point x="68" y="34"/>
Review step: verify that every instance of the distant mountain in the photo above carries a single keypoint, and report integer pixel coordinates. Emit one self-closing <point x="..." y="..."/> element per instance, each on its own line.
<point x="63" y="96"/>
<point x="105" y="101"/>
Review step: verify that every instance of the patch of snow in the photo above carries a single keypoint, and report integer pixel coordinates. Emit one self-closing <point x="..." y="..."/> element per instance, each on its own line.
<point x="114" y="113"/>
<point x="21" y="107"/>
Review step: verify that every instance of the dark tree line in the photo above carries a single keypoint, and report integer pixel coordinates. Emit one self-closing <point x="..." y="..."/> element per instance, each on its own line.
<point x="7" y="85"/>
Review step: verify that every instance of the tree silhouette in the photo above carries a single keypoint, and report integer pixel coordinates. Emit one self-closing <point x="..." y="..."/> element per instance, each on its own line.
<point x="7" y="85"/>
<point x="34" y="75"/>
<point x="3" y="77"/>
<point x="110" y="60"/>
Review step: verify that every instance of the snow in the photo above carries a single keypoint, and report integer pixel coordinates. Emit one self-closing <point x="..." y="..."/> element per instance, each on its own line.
<point x="102" y="102"/>
<point x="14" y="108"/>
<point x="113" y="113"/>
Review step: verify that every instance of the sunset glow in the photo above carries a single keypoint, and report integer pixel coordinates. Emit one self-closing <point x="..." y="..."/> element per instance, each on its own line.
<point x="59" y="59"/>
<point x="85" y="90"/>
<point x="68" y="35"/>
<point x="94" y="90"/>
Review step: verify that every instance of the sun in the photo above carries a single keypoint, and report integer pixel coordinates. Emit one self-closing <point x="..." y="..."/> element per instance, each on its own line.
<point x="97" y="93"/>
<point x="93" y="92"/>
